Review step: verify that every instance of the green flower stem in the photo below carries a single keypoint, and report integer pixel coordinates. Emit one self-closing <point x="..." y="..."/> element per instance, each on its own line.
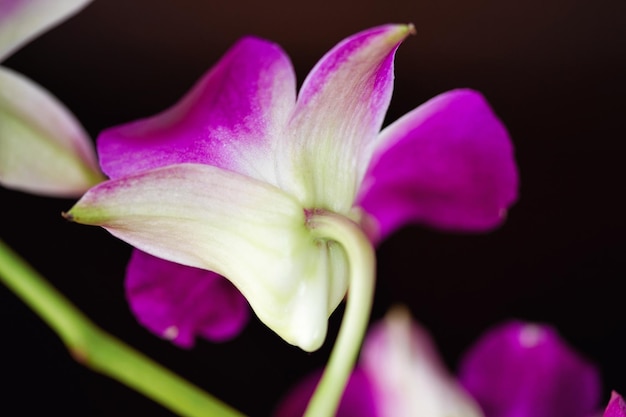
<point x="362" y="264"/>
<point x="101" y="352"/>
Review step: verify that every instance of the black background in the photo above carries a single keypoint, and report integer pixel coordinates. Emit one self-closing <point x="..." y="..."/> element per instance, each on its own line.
<point x="553" y="71"/>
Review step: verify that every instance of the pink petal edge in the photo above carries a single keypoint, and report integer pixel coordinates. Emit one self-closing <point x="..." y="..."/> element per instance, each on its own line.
<point x="448" y="164"/>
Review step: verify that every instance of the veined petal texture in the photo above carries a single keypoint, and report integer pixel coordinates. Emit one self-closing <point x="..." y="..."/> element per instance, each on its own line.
<point x="231" y="119"/>
<point x="339" y="112"/>
<point x="244" y="229"/>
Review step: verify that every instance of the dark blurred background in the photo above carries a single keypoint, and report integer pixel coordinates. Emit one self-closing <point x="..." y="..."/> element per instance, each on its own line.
<point x="553" y="71"/>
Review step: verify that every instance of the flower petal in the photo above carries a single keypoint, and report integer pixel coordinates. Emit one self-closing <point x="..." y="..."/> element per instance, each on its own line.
<point x="408" y="376"/>
<point x="22" y="20"/>
<point x="43" y="148"/>
<point x="526" y="370"/>
<point x="246" y="230"/>
<point x="357" y="400"/>
<point x="178" y="302"/>
<point x="616" y="407"/>
<point x="339" y="112"/>
<point x="228" y="119"/>
<point x="449" y="164"/>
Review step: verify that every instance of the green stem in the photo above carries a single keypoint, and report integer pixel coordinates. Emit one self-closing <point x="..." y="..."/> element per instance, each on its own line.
<point x="362" y="270"/>
<point x="100" y="351"/>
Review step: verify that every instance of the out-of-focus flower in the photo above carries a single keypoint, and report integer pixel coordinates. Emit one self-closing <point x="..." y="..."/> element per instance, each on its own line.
<point x="519" y="369"/>
<point x="236" y="175"/>
<point x="43" y="148"/>
<point x="515" y="369"/>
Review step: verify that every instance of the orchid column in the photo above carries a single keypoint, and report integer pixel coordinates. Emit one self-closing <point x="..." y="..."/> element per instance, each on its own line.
<point x="286" y="196"/>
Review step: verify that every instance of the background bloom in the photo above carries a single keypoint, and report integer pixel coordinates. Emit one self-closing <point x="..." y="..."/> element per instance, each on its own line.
<point x="520" y="369"/>
<point x="43" y="148"/>
<point x="514" y="369"/>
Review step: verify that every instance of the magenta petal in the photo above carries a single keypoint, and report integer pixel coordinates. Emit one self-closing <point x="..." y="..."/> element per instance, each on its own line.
<point x="526" y="370"/>
<point x="357" y="400"/>
<point x="178" y="302"/>
<point x="226" y="120"/>
<point x="616" y="407"/>
<point x="448" y="164"/>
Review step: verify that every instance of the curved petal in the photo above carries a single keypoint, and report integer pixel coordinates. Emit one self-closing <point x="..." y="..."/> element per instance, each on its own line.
<point x="449" y="164"/>
<point x="246" y="230"/>
<point x="22" y="20"/>
<point x="616" y="407"/>
<point x="408" y="376"/>
<point x="339" y="112"/>
<point x="228" y="119"/>
<point x="179" y="302"/>
<point x="357" y="400"/>
<point x="43" y="148"/>
<point x="526" y="370"/>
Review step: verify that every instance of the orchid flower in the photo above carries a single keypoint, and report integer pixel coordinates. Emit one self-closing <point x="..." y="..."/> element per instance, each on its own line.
<point x="235" y="177"/>
<point x="43" y="148"/>
<point x="514" y="369"/>
<point x="285" y="196"/>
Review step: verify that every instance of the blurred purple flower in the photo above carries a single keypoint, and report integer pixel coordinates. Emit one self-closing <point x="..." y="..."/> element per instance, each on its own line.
<point x="519" y="369"/>
<point x="227" y="178"/>
<point x="513" y="370"/>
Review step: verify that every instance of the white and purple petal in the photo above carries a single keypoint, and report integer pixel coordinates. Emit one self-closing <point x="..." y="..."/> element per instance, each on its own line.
<point x="526" y="370"/>
<point x="447" y="164"/>
<point x="179" y="303"/>
<point x="408" y="377"/>
<point x="339" y="112"/>
<point x="249" y="231"/>
<point x="229" y="119"/>
<point x="43" y="148"/>
<point x="22" y="20"/>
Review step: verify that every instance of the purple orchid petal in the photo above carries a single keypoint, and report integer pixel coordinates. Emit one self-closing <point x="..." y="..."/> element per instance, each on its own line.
<point x="226" y="120"/>
<point x="526" y="370"/>
<point x="357" y="400"/>
<point x="22" y="20"/>
<point x="338" y="115"/>
<point x="616" y="407"/>
<point x="449" y="164"/>
<point x="178" y="302"/>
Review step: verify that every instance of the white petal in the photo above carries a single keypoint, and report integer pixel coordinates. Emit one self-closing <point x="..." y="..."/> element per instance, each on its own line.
<point x="22" y="20"/>
<point x="43" y="148"/>
<point x="246" y="230"/>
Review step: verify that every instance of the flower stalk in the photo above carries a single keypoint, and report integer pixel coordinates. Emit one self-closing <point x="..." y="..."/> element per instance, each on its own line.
<point x="100" y="351"/>
<point x="362" y="273"/>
